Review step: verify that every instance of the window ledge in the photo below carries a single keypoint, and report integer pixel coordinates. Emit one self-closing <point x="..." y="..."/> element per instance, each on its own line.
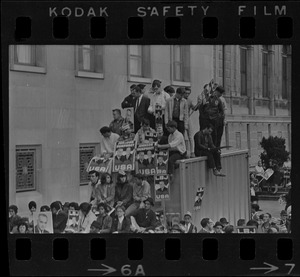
<point x="181" y="83"/>
<point x="28" y="68"/>
<point x="139" y="79"/>
<point x="86" y="74"/>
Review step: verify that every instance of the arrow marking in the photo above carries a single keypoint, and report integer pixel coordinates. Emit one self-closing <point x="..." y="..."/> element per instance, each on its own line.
<point x="107" y="269"/>
<point x="270" y="268"/>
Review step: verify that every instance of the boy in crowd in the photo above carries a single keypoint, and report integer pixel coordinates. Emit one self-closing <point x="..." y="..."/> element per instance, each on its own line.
<point x="107" y="141"/>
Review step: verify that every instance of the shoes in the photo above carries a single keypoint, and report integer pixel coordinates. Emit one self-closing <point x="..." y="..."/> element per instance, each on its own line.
<point x="193" y="155"/>
<point x="218" y="173"/>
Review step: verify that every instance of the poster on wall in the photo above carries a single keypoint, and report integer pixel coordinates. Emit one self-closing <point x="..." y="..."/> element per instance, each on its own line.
<point x="128" y="114"/>
<point x="124" y="156"/>
<point x="100" y="164"/>
<point x="162" y="187"/>
<point x="146" y="159"/>
<point x="42" y="222"/>
<point x="158" y="120"/>
<point x="150" y="137"/>
<point x="162" y="158"/>
<point x="198" y="198"/>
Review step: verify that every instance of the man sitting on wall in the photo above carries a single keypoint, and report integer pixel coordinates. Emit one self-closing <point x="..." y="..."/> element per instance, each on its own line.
<point x="176" y="146"/>
<point x="204" y="147"/>
<point x="107" y="140"/>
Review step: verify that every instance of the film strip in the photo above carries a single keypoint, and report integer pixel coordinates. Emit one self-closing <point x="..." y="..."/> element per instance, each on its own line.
<point x="68" y="65"/>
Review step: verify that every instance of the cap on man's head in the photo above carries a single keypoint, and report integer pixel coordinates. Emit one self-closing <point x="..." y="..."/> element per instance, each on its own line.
<point x="188" y="214"/>
<point x="142" y="86"/>
<point x="180" y="91"/>
<point x="150" y="200"/>
<point x="122" y="173"/>
<point x="223" y="221"/>
<point x="283" y="212"/>
<point x="132" y="86"/>
<point x="220" y="89"/>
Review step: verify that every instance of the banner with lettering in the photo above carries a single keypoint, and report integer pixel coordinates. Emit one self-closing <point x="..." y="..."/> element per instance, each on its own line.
<point x="146" y="159"/>
<point x="158" y="120"/>
<point x="198" y="198"/>
<point x="245" y="229"/>
<point x="162" y="158"/>
<point x="124" y="156"/>
<point x="162" y="187"/>
<point x="100" y="164"/>
<point x="150" y="137"/>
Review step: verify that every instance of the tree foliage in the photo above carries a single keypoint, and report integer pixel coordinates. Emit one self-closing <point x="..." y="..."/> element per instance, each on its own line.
<point x="273" y="149"/>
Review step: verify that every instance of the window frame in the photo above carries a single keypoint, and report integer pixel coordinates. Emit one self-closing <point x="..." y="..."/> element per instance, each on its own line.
<point x="245" y="71"/>
<point x="30" y="67"/>
<point x="285" y="57"/>
<point x="95" y="147"/>
<point x="142" y="78"/>
<point x="181" y="82"/>
<point x="37" y="150"/>
<point x="87" y="73"/>
<point x="266" y="68"/>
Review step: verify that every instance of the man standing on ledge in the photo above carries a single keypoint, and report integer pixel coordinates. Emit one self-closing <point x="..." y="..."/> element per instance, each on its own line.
<point x="176" y="146"/>
<point x="204" y="147"/>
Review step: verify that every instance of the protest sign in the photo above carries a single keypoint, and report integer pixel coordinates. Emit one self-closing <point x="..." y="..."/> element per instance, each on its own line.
<point x="162" y="158"/>
<point x="124" y="156"/>
<point x="198" y="198"/>
<point x="73" y="222"/>
<point x="162" y="187"/>
<point x="245" y="229"/>
<point x="100" y="164"/>
<point x="146" y="159"/>
<point x="42" y="222"/>
<point x="128" y="114"/>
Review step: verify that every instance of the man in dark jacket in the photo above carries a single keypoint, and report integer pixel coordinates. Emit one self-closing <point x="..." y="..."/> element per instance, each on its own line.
<point x="129" y="100"/>
<point x="204" y="146"/>
<point x="140" y="108"/>
<point x="145" y="218"/>
<point x="59" y="217"/>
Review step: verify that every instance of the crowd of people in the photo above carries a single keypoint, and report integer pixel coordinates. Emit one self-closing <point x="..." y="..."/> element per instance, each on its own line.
<point x="102" y="220"/>
<point x="126" y="205"/>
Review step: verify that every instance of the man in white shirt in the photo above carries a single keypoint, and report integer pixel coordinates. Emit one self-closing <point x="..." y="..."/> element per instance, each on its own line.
<point x="107" y="140"/>
<point x="176" y="146"/>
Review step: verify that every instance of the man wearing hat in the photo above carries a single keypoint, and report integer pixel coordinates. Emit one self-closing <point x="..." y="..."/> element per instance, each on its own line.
<point x="224" y="222"/>
<point x="129" y="100"/>
<point x="145" y="218"/>
<point x="218" y="227"/>
<point x="284" y="221"/>
<point x="189" y="227"/>
<point x="95" y="227"/>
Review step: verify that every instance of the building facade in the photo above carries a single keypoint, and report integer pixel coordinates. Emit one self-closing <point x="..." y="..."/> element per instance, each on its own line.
<point x="61" y="95"/>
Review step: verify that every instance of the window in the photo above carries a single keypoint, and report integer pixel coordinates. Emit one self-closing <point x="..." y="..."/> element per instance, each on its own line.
<point x="243" y="69"/>
<point x="139" y="61"/>
<point x="86" y="153"/>
<point x="28" y="162"/>
<point x="90" y="61"/>
<point x="286" y="63"/>
<point x="29" y="58"/>
<point x="266" y="65"/>
<point x="181" y="63"/>
<point x="238" y="140"/>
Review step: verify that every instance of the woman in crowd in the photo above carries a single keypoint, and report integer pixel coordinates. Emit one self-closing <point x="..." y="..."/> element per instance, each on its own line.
<point x="13" y="217"/>
<point x="107" y="190"/>
<point x="22" y="227"/>
<point x="86" y="217"/>
<point x="32" y="209"/>
<point x="104" y="219"/>
<point x="121" y="223"/>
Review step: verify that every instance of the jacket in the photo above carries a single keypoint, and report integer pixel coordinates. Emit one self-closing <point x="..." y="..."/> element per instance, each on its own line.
<point x="59" y="221"/>
<point x="106" y="223"/>
<point x="141" y="111"/>
<point x="201" y="144"/>
<point x="124" y="193"/>
<point x="125" y="225"/>
<point x="128" y="102"/>
<point x="183" y="111"/>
